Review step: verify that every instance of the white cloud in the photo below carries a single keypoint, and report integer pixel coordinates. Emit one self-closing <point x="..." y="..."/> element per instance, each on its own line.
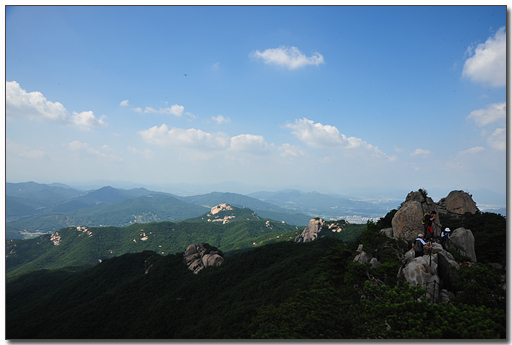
<point x="420" y="152"/>
<point x="124" y="103"/>
<point x="86" y="119"/>
<point x="23" y="151"/>
<point x="399" y="149"/>
<point x="147" y="153"/>
<point x="34" y="106"/>
<point x="325" y="136"/>
<point x="150" y="110"/>
<point x="289" y="57"/>
<point x="488" y="63"/>
<point x="220" y="119"/>
<point x="84" y="147"/>
<point x="494" y="112"/>
<point x="249" y="143"/>
<point x="287" y="150"/>
<point x="216" y="65"/>
<point x="189" y="138"/>
<point x="472" y="150"/>
<point x="498" y="140"/>
<point x="173" y="110"/>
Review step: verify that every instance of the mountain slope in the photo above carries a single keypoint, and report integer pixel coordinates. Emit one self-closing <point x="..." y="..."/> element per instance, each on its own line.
<point x="148" y="296"/>
<point x="72" y="246"/>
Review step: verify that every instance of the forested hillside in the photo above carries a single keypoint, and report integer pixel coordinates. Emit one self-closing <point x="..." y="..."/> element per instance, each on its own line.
<point x="284" y="290"/>
<point x="88" y="245"/>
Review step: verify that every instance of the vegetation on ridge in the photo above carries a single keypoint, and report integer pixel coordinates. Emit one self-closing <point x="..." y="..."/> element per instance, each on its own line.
<point x="283" y="290"/>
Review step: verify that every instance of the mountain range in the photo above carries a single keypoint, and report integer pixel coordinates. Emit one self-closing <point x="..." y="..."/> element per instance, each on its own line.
<point x="33" y="209"/>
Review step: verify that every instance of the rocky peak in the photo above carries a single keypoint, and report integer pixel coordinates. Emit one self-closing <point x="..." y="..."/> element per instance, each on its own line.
<point x="311" y="231"/>
<point x="407" y="220"/>
<point x="458" y="202"/>
<point x="221" y="207"/>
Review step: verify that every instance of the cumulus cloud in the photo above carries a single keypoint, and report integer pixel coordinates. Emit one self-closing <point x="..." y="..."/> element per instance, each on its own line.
<point x="35" y="107"/>
<point x="325" y="136"/>
<point x="289" y="57"/>
<point x="197" y="139"/>
<point x="249" y="143"/>
<point x="420" y="152"/>
<point x="124" y="103"/>
<point x="189" y="138"/>
<point x="472" y="150"/>
<point x="84" y="147"/>
<point x="287" y="150"/>
<point x="220" y="119"/>
<point x="86" y="119"/>
<point x="498" y="140"/>
<point x="488" y="62"/>
<point x="494" y="112"/>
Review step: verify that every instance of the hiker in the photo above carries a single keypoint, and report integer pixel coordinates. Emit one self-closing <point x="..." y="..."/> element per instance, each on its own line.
<point x="428" y="219"/>
<point x="418" y="246"/>
<point x="445" y="236"/>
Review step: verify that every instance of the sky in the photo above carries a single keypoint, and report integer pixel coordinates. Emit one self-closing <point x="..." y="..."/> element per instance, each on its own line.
<point x="325" y="97"/>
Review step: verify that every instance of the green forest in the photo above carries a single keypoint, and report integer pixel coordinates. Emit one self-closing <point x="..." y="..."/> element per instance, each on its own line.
<point x="281" y="290"/>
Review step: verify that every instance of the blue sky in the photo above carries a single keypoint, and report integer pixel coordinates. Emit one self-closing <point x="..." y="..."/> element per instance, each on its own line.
<point x="329" y="97"/>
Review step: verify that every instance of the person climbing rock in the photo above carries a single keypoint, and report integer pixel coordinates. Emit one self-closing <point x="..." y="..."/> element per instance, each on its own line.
<point x="445" y="236"/>
<point x="428" y="220"/>
<point x="418" y="245"/>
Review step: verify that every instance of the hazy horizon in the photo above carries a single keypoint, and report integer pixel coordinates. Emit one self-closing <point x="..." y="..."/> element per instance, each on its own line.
<point x="328" y="98"/>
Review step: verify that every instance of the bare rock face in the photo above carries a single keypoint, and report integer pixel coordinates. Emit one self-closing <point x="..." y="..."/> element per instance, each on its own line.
<point x="419" y="272"/>
<point x="463" y="240"/>
<point x="196" y="258"/>
<point x="388" y="232"/>
<point x="460" y="202"/>
<point x="407" y="221"/>
<point x="311" y="231"/>
<point x="221" y="207"/>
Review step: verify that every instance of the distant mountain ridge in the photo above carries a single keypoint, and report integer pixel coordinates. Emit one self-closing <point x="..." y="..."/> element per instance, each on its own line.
<point x="320" y="205"/>
<point x="33" y="209"/>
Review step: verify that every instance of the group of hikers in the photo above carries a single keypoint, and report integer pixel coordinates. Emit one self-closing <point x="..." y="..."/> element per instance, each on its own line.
<point x="424" y="240"/>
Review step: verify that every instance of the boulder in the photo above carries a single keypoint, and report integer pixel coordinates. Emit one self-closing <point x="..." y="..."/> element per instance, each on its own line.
<point x="375" y="262"/>
<point x="463" y="241"/>
<point x="361" y="256"/>
<point x="311" y="231"/>
<point x="446" y="296"/>
<point x="196" y="258"/>
<point x="388" y="232"/>
<point x="407" y="221"/>
<point x="419" y="272"/>
<point x="460" y="202"/>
